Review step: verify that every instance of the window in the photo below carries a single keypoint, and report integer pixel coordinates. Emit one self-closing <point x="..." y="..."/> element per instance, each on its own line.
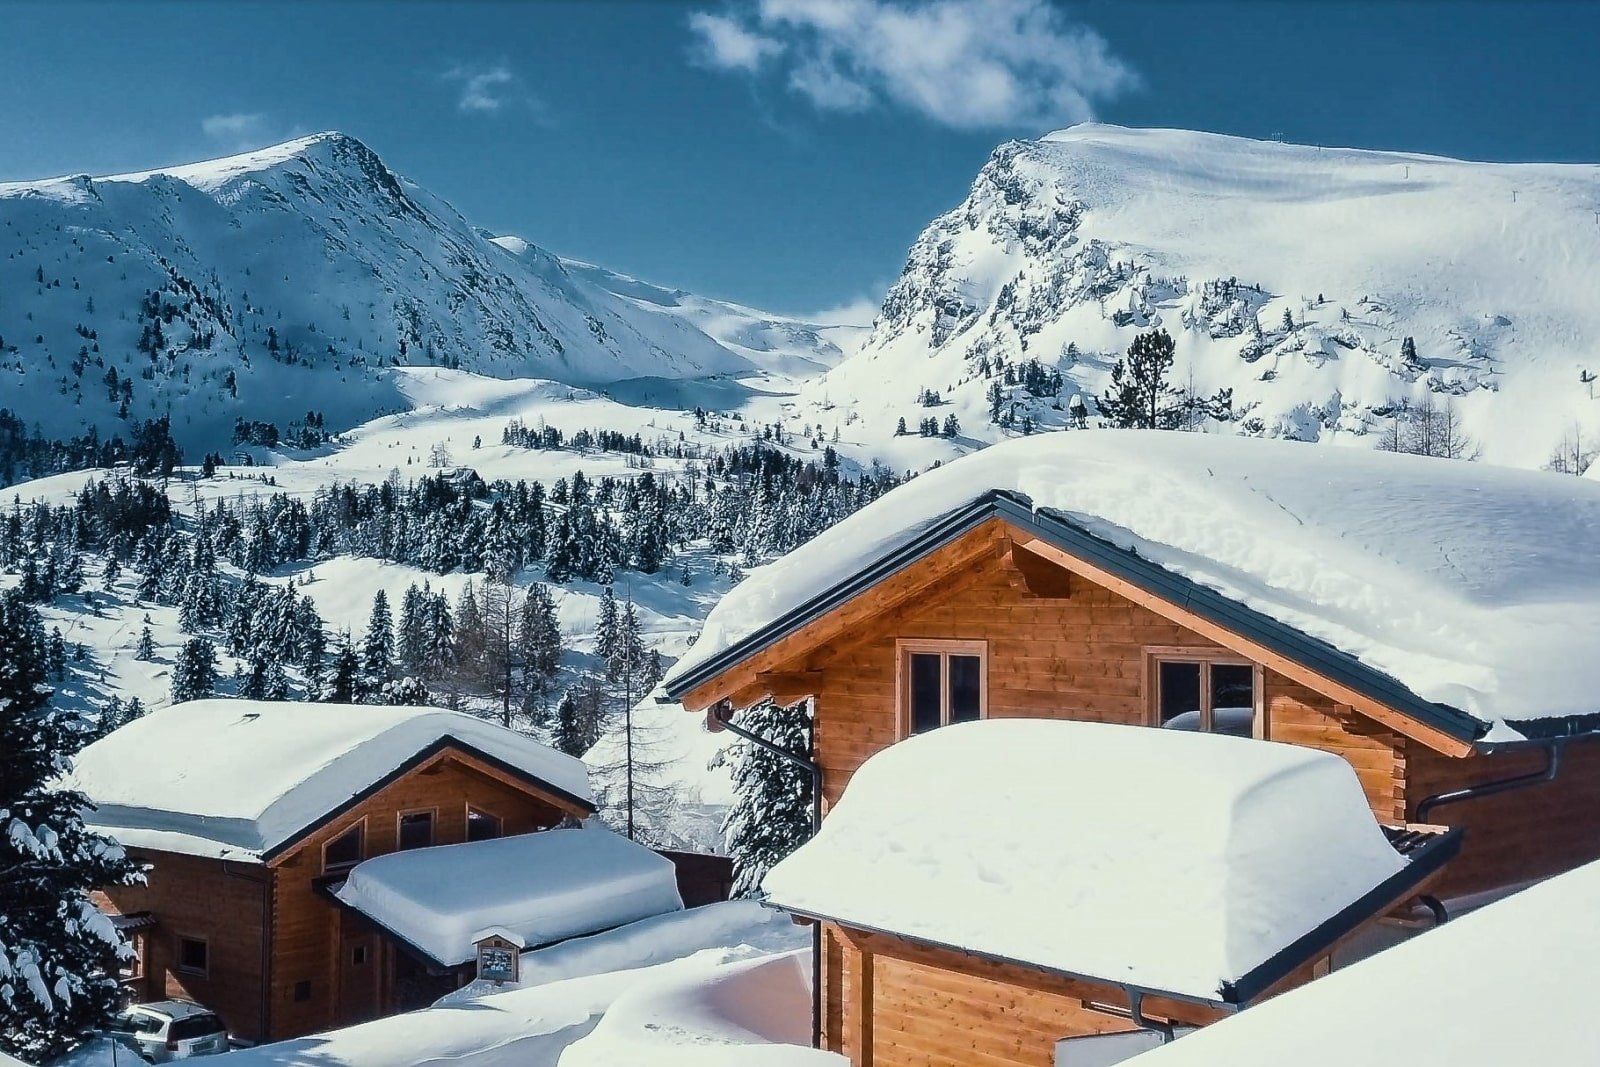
<point x="133" y="966"/>
<point x="202" y="1025"/>
<point x="416" y="829"/>
<point x="481" y="826"/>
<point x="1195" y="692"/>
<point x="358" y="955"/>
<point x="137" y="1022"/>
<point x="302" y="991"/>
<point x="344" y="851"/>
<point x="941" y="682"/>
<point x="193" y="955"/>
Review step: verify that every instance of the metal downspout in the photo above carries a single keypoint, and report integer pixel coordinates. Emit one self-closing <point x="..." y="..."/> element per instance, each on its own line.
<point x="1136" y="1013"/>
<point x="724" y="716"/>
<point x="1552" y="767"/>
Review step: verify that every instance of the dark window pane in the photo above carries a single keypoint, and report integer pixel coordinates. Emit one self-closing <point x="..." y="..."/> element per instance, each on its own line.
<point x="481" y="826"/>
<point x="966" y="673"/>
<point x="1180" y="695"/>
<point x="924" y="692"/>
<point x="416" y="830"/>
<point x="343" y="851"/>
<point x="195" y="1026"/>
<point x="191" y="954"/>
<point x="1233" y="699"/>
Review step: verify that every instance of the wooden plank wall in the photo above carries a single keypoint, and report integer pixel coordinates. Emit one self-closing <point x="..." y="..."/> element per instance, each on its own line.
<point x="1080" y="658"/>
<point x="307" y="938"/>
<point x="225" y="904"/>
<point x="906" y="1005"/>
<point x="1516" y="836"/>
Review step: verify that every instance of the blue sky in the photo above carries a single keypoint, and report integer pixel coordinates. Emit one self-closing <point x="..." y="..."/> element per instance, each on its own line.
<point x="783" y="154"/>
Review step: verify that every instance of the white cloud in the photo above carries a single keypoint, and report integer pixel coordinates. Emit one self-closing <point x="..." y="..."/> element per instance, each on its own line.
<point x="725" y="45"/>
<point x="239" y="129"/>
<point x="969" y="64"/>
<point x="489" y="88"/>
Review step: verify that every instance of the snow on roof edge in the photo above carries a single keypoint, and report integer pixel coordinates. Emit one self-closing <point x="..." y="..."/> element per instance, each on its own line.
<point x="1379" y="557"/>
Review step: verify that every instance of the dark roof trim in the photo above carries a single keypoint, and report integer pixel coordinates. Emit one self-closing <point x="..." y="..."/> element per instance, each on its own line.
<point x="1422" y="862"/>
<point x="1059" y="530"/>
<point x="448" y="741"/>
<point x="1237" y="994"/>
<point x="1330" y="662"/>
<point x="953" y="525"/>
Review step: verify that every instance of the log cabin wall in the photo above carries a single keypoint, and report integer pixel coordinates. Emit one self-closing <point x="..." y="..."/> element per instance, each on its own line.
<point x="1083" y="657"/>
<point x="310" y="988"/>
<point x="1517" y="836"/>
<point x="221" y="903"/>
<point x="893" y="1003"/>
<point x="1079" y="657"/>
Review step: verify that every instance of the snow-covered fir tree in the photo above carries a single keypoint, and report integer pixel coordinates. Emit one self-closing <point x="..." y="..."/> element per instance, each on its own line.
<point x="194" y="676"/>
<point x="377" y="646"/>
<point x="771" y="812"/>
<point x="58" y="955"/>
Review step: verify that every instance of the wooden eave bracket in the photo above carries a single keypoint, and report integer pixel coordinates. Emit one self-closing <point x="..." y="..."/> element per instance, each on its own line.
<point x="1042" y="578"/>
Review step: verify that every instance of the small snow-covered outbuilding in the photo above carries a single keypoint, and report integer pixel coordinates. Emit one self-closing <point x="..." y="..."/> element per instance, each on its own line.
<point x="249" y="812"/>
<point x="1179" y="875"/>
<point x="536" y="888"/>
<point x="1512" y="983"/>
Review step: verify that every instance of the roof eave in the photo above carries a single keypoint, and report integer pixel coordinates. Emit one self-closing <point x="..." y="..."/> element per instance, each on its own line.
<point x="446" y="742"/>
<point x="1422" y="865"/>
<point x="1058" y="530"/>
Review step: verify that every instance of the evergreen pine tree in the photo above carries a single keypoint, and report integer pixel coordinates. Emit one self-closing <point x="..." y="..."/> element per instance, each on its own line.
<point x="377" y="647"/>
<point x="344" y="676"/>
<point x="146" y="649"/>
<point x="1140" y="395"/>
<point x="194" y="677"/>
<point x="59" y="960"/>
<point x="771" y="812"/>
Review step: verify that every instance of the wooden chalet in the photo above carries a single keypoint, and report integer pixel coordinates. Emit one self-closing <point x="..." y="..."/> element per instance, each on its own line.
<point x="1056" y="577"/>
<point x="249" y="813"/>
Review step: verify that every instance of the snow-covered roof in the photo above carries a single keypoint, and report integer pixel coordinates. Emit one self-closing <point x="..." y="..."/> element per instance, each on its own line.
<point x="1175" y="862"/>
<point x="237" y="778"/>
<point x="543" y="887"/>
<point x="1510" y="983"/>
<point x="1473" y="586"/>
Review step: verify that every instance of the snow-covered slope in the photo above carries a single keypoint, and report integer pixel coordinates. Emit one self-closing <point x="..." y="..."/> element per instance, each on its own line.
<point x="780" y="346"/>
<point x="268" y="283"/>
<point x="1095" y="233"/>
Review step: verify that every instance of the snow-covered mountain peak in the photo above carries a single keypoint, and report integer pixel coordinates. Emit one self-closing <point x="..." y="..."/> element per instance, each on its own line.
<point x="1292" y="274"/>
<point x="290" y="278"/>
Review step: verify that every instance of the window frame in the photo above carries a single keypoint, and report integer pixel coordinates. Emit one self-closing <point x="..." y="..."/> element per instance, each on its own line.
<point x="134" y="969"/>
<point x="433" y="827"/>
<point x="184" y="968"/>
<point x="359" y="825"/>
<point x="944" y="648"/>
<point x="1156" y="655"/>
<point x="499" y="822"/>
